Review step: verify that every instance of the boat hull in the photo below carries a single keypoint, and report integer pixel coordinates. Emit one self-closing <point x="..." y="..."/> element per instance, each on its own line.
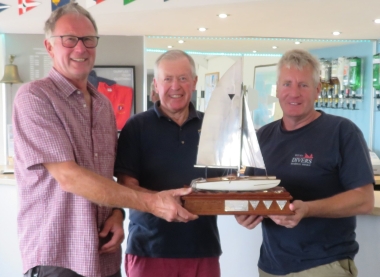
<point x="247" y="183"/>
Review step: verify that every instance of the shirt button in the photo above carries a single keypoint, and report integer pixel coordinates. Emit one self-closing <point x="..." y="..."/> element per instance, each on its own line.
<point x="78" y="92"/>
<point x="182" y="142"/>
<point x="96" y="154"/>
<point x="84" y="105"/>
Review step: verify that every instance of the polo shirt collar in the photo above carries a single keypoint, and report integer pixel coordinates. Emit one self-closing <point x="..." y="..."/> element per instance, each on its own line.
<point x="192" y="111"/>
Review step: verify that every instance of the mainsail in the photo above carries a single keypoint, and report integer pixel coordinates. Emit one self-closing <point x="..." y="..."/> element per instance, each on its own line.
<point x="228" y="138"/>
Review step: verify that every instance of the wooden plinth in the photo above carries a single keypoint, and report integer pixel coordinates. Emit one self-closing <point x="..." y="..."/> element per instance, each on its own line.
<point x="274" y="201"/>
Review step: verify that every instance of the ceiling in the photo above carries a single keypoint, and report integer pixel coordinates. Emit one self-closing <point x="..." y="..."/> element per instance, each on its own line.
<point x="252" y="24"/>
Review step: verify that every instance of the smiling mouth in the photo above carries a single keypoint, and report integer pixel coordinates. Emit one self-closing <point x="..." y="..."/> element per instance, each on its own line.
<point x="176" y="96"/>
<point x="78" y="60"/>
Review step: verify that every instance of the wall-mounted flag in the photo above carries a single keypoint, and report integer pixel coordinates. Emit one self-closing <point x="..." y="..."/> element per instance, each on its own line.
<point x="128" y="1"/>
<point x="55" y="4"/>
<point x="3" y="7"/>
<point x="26" y="5"/>
<point x="91" y="3"/>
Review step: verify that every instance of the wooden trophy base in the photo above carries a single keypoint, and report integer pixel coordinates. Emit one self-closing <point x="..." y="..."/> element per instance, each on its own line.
<point x="274" y="201"/>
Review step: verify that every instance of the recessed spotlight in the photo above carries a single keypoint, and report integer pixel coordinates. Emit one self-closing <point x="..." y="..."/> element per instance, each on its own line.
<point x="336" y="33"/>
<point x="181" y="41"/>
<point x="377" y="21"/>
<point x="169" y="46"/>
<point x="274" y="47"/>
<point x="297" y="42"/>
<point x="223" y="15"/>
<point x="254" y="51"/>
<point x="202" y="29"/>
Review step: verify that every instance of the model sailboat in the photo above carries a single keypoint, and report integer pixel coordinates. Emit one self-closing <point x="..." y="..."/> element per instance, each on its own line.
<point x="228" y="139"/>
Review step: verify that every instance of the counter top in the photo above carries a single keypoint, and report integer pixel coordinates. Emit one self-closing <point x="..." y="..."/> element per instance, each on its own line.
<point x="7" y="179"/>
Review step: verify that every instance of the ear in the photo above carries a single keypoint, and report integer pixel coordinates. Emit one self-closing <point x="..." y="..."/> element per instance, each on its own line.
<point x="49" y="47"/>
<point x="155" y="85"/>
<point x="195" y="82"/>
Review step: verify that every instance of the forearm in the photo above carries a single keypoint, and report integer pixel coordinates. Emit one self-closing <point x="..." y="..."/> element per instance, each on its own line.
<point x="349" y="203"/>
<point x="98" y="189"/>
<point x="131" y="182"/>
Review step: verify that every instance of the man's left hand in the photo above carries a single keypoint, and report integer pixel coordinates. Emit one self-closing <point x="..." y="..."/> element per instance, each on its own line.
<point x="300" y="210"/>
<point x="113" y="227"/>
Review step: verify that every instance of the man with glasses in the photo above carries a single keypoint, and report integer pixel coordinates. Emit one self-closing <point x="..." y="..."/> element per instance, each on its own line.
<point x="65" y="144"/>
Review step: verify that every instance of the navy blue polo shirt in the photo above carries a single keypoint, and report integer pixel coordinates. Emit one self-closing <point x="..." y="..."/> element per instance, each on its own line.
<point x="161" y="155"/>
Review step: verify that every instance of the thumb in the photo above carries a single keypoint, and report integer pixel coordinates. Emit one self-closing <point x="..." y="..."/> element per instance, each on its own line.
<point x="105" y="230"/>
<point x="182" y="191"/>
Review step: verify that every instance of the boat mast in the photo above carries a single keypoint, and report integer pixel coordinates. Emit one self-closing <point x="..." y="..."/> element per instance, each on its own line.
<point x="242" y="114"/>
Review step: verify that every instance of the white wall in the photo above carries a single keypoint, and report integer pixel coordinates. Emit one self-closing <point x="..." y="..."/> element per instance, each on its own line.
<point x="10" y="257"/>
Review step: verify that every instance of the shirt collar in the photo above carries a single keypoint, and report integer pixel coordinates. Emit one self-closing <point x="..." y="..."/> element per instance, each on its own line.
<point x="65" y="86"/>
<point x="192" y="111"/>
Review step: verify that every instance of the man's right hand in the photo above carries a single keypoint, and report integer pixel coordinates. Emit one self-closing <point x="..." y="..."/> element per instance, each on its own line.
<point x="249" y="221"/>
<point x="167" y="205"/>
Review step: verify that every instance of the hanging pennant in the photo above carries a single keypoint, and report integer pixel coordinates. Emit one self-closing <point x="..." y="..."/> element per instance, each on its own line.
<point x="3" y="7"/>
<point x="55" y="4"/>
<point x="26" y="5"/>
<point x="128" y="1"/>
<point x="90" y="3"/>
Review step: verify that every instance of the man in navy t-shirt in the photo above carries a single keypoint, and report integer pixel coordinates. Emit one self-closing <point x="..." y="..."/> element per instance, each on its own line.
<point x="323" y="161"/>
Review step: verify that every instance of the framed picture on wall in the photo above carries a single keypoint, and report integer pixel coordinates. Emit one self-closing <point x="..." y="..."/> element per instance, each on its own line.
<point x="117" y="83"/>
<point x="211" y="79"/>
<point x="264" y="103"/>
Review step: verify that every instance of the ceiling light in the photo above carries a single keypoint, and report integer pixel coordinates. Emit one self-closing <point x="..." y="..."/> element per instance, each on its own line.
<point x="202" y="29"/>
<point x="377" y="20"/>
<point x="169" y="46"/>
<point x="222" y="15"/>
<point x="181" y="41"/>
<point x="297" y="42"/>
<point x="274" y="47"/>
<point x="254" y="51"/>
<point x="336" y="33"/>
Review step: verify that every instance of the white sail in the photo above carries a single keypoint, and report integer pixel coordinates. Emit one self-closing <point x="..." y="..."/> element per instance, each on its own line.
<point x="220" y="139"/>
<point x="224" y="142"/>
<point x="251" y="153"/>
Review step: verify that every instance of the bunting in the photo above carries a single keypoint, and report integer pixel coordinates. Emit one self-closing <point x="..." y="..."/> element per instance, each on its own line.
<point x="26" y="5"/>
<point x="128" y="1"/>
<point x="3" y="7"/>
<point x="91" y="3"/>
<point x="55" y="4"/>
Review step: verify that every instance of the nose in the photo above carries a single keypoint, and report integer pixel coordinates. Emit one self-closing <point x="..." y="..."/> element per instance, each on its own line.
<point x="80" y="46"/>
<point x="295" y="91"/>
<point x="175" y="84"/>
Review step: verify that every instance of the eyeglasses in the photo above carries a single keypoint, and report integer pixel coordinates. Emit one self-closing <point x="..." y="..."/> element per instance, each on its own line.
<point x="72" y="41"/>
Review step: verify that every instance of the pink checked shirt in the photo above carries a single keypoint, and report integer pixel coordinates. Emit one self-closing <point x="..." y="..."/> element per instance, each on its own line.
<point x="52" y="123"/>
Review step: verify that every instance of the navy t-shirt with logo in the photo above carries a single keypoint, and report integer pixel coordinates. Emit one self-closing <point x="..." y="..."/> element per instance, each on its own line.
<point x="324" y="158"/>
